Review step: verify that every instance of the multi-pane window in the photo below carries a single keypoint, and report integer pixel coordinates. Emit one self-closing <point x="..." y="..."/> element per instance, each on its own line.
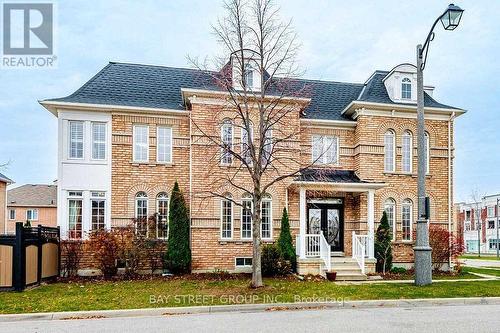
<point x="76" y="139"/>
<point x="491" y="224"/>
<point x="491" y="211"/>
<point x="75" y="215"/>
<point x="98" y="207"/>
<point x="12" y="214"/>
<point x="226" y="218"/>
<point x="406" y="218"/>
<point x="162" y="215"/>
<point x="467" y="215"/>
<point x="246" y="217"/>
<point x="164" y="144"/>
<point x="141" y="213"/>
<point x="390" y="209"/>
<point x="243" y="262"/>
<point x="407" y="144"/>
<point x="266" y="217"/>
<point x="389" y="151"/>
<point x="32" y="215"/>
<point x="324" y="149"/>
<point x="267" y="147"/>
<point x="98" y="141"/>
<point x="406" y="88"/>
<point x="246" y="138"/>
<point x="227" y="142"/>
<point x="427" y="153"/>
<point x="248" y="77"/>
<point x="141" y="143"/>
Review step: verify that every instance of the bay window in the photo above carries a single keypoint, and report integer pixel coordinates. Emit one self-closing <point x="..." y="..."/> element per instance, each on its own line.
<point x="76" y="139"/>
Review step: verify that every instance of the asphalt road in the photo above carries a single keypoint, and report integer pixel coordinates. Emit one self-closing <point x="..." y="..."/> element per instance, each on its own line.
<point x="442" y="319"/>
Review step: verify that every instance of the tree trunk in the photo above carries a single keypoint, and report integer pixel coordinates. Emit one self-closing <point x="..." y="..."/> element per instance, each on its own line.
<point x="256" y="261"/>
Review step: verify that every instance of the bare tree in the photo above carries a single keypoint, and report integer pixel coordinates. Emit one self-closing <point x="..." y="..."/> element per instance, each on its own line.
<point x="477" y="200"/>
<point x="263" y="99"/>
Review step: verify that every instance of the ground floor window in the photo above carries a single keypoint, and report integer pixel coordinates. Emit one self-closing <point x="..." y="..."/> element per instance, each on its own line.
<point x="491" y="224"/>
<point x="32" y="215"/>
<point x="390" y="207"/>
<point x="227" y="217"/>
<point x="493" y="244"/>
<point x="246" y="218"/>
<point x="98" y="207"/>
<point x="266" y="217"/>
<point x="406" y="217"/>
<point x="244" y="262"/>
<point x="75" y="217"/>
<point x="162" y="215"/>
<point x="141" y="214"/>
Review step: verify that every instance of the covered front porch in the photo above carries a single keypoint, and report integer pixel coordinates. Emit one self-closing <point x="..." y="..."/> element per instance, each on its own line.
<point x="336" y="224"/>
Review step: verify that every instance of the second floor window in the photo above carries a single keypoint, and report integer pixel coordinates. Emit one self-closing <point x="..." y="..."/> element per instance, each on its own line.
<point x="164" y="144"/>
<point x="227" y="142"/>
<point x="76" y="139"/>
<point x="406" y="88"/>
<point x="246" y="138"/>
<point x="98" y="141"/>
<point x="324" y="149"/>
<point x="407" y="150"/>
<point x="427" y="153"/>
<point x="32" y="215"/>
<point x="267" y="147"/>
<point x="491" y="211"/>
<point x="141" y="143"/>
<point x="389" y="151"/>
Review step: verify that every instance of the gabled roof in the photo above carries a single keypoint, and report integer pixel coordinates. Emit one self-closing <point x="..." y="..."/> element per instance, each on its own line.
<point x="5" y="179"/>
<point x="33" y="195"/>
<point x="148" y="86"/>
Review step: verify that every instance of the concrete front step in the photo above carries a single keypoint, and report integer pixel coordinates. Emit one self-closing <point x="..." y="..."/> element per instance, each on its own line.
<point x="350" y="277"/>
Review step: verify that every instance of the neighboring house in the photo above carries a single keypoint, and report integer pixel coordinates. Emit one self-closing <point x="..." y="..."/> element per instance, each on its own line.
<point x="479" y="220"/>
<point x="36" y="203"/>
<point x="4" y="181"/>
<point x="127" y="135"/>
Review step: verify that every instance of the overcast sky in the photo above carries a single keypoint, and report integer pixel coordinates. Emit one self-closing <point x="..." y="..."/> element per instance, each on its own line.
<point x="341" y="41"/>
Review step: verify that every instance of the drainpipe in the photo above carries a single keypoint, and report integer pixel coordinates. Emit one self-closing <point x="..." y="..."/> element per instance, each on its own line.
<point x="449" y="182"/>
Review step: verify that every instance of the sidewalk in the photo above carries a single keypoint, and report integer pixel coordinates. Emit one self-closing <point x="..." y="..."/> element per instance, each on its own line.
<point x="395" y="303"/>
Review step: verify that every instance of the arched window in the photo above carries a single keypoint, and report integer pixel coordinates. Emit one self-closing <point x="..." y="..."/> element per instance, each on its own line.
<point x="246" y="138"/>
<point x="266" y="217"/>
<point x="407" y="152"/>
<point x="226" y="217"/>
<point x="227" y="142"/>
<point x="407" y="219"/>
<point x="390" y="209"/>
<point x="406" y="88"/>
<point x="162" y="215"/>
<point x="141" y="213"/>
<point x="246" y="216"/>
<point x="389" y="151"/>
<point x="427" y="153"/>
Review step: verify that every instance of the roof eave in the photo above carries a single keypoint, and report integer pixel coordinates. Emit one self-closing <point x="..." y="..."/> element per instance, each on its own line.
<point x="350" y="187"/>
<point x="350" y="109"/>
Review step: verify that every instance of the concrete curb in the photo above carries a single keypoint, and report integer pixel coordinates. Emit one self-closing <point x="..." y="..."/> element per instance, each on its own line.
<point x="149" y="312"/>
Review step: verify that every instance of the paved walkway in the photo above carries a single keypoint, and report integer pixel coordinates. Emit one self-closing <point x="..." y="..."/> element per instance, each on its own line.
<point x="481" y="263"/>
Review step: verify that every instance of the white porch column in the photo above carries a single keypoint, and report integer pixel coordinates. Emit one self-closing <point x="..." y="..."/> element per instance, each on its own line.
<point x="371" y="222"/>
<point x="302" y="211"/>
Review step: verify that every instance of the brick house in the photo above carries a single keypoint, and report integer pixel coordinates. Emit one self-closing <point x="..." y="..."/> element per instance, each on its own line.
<point x="36" y="203"/>
<point x="127" y="135"/>
<point x="478" y="223"/>
<point x="4" y="181"/>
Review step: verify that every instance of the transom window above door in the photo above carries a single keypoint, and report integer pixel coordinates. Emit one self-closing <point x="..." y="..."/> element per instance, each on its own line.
<point x="325" y="149"/>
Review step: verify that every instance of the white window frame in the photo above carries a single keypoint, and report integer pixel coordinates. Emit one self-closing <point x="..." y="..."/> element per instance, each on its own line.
<point x="245" y="140"/>
<point x="98" y="142"/>
<point x="491" y="209"/>
<point x="143" y="145"/>
<point x="267" y="147"/>
<point x="227" y="199"/>
<point x="405" y="93"/>
<point x="138" y="198"/>
<point x="12" y="217"/>
<point x="167" y="145"/>
<point x="34" y="214"/>
<point x="325" y="149"/>
<point x="248" y="74"/>
<point x="407" y="152"/>
<point x="407" y="204"/>
<point x="162" y="197"/>
<point x="226" y="123"/>
<point x="244" y="262"/>
<point x="246" y="199"/>
<point x="390" y="202"/>
<point x="76" y="141"/>
<point x="390" y="135"/>
<point x="76" y="196"/>
<point x="427" y="153"/>
<point x="266" y="199"/>
<point x="98" y="196"/>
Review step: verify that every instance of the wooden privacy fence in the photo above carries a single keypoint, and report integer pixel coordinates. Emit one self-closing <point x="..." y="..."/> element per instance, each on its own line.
<point x="29" y="257"/>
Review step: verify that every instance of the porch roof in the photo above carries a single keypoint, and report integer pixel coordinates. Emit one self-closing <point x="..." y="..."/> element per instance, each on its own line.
<point x="344" y="180"/>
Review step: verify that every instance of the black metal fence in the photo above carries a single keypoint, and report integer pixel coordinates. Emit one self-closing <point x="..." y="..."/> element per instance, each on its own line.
<point x="29" y="257"/>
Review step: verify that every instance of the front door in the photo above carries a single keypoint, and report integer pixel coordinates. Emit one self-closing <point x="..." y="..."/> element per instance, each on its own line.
<point x="328" y="219"/>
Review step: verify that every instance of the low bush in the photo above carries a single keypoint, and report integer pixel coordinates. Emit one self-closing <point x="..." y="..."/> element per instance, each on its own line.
<point x="72" y="254"/>
<point x="399" y="270"/>
<point x="105" y="247"/>
<point x="444" y="246"/>
<point x="273" y="263"/>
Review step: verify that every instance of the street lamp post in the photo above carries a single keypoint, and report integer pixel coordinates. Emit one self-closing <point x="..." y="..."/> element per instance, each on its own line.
<point x="423" y="260"/>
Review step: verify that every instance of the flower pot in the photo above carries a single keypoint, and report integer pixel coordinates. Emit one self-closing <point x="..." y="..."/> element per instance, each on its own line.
<point x="331" y="276"/>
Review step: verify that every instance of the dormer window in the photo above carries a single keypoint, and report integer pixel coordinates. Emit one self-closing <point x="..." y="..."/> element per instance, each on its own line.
<point x="406" y="88"/>
<point x="248" y="77"/>
<point x="246" y="74"/>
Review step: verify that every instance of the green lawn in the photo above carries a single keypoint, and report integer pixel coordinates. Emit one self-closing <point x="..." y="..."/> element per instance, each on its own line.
<point x="488" y="271"/>
<point x="98" y="295"/>
<point x="482" y="257"/>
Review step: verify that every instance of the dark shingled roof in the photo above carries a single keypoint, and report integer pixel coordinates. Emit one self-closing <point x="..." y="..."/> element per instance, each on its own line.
<point x="329" y="175"/>
<point x="160" y="87"/>
<point x="33" y="195"/>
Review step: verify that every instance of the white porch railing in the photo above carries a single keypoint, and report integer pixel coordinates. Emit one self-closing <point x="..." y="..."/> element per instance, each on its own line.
<point x="360" y="246"/>
<point x="316" y="246"/>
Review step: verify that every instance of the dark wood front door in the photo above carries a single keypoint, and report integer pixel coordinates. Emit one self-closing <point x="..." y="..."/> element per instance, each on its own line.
<point x="328" y="219"/>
